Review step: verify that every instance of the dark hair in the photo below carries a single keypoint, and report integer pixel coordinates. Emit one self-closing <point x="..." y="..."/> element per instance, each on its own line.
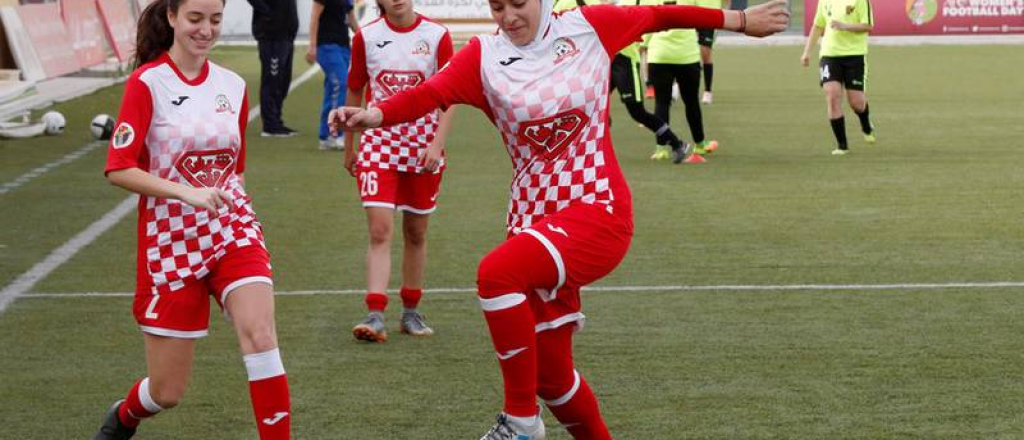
<point x="155" y="34"/>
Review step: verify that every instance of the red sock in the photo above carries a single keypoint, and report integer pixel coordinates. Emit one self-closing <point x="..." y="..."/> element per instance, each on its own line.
<point x="579" y="413"/>
<point x="512" y="333"/>
<point x="268" y="388"/>
<point x="376" y="301"/>
<point x="138" y="404"/>
<point x="411" y="297"/>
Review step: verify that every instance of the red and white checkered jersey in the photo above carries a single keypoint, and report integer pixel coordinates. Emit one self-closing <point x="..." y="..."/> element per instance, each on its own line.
<point x="390" y="59"/>
<point x="549" y="99"/>
<point x="189" y="131"/>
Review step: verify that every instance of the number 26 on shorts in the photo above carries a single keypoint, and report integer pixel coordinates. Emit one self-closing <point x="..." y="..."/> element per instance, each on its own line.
<point x="368" y="183"/>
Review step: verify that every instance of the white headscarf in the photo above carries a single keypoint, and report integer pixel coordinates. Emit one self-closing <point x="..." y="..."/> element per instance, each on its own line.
<point x="547" y="8"/>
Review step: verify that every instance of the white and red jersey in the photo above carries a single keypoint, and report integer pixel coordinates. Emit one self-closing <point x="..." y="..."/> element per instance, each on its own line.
<point x="387" y="60"/>
<point x="189" y="131"/>
<point x="549" y="99"/>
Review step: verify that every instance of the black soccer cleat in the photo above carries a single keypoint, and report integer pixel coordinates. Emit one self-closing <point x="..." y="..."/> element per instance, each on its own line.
<point x="112" y="428"/>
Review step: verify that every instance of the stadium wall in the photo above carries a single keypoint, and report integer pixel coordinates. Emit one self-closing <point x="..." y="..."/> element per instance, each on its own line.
<point x="940" y="17"/>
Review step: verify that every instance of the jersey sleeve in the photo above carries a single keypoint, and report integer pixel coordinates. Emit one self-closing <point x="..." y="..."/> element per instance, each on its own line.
<point x="358" y="75"/>
<point x="620" y="26"/>
<point x="128" y="142"/>
<point x="243" y="122"/>
<point x="458" y="82"/>
<point x="866" y="15"/>
<point x="445" y="49"/>
<point x="819" y="15"/>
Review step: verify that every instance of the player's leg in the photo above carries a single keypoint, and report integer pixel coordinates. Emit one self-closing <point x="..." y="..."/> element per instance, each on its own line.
<point x="662" y="79"/>
<point x="856" y="83"/>
<point x="169" y="368"/>
<point x="378" y="272"/>
<point x="830" y="78"/>
<point x="414" y="261"/>
<point x="626" y="78"/>
<point x="564" y="391"/>
<point x="251" y="308"/>
<point x="505" y="278"/>
<point x="706" y="40"/>
<point x="333" y="60"/>
<point x="688" y="78"/>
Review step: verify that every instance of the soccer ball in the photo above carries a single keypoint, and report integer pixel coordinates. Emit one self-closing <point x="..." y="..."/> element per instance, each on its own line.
<point x="102" y="127"/>
<point x="53" y="123"/>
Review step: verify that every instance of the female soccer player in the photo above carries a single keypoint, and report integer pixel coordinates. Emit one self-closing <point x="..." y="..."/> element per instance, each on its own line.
<point x="673" y="57"/>
<point x="844" y="50"/>
<point x="329" y="46"/>
<point x="180" y="144"/>
<point x="543" y="81"/>
<point x="398" y="167"/>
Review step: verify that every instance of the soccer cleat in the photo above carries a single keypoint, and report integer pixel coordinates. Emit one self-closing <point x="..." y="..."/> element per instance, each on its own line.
<point x="870" y="138"/>
<point x="332" y="143"/>
<point x="682" y="153"/>
<point x="413" y="324"/>
<point x="709" y="146"/>
<point x="706" y="99"/>
<point x="282" y="132"/>
<point x="372" y="329"/>
<point x="840" y="152"/>
<point x="649" y="92"/>
<point x="112" y="428"/>
<point x="661" y="152"/>
<point x="506" y="429"/>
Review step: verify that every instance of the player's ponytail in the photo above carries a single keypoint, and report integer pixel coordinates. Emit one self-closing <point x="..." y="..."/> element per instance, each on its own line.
<point x="155" y="34"/>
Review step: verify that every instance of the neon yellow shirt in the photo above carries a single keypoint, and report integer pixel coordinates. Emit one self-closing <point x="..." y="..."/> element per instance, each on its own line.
<point x="563" y="5"/>
<point x="713" y="4"/>
<point x="836" y="43"/>
<point x="677" y="46"/>
<point x="630" y="51"/>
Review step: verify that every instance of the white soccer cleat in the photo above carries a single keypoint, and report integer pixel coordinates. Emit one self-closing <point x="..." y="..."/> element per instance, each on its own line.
<point x="706" y="99"/>
<point x="513" y="428"/>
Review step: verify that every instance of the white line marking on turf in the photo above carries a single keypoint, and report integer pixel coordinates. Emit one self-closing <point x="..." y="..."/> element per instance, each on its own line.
<point x="706" y="288"/>
<point x="61" y="255"/>
<point x="71" y="157"/>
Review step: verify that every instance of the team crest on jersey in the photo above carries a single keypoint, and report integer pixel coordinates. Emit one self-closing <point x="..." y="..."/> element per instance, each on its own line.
<point x="395" y="81"/>
<point x="223" y="104"/>
<point x="123" y="136"/>
<point x="549" y="136"/>
<point x="849" y="9"/>
<point x="206" y="168"/>
<point x="421" y="48"/>
<point x="565" y="48"/>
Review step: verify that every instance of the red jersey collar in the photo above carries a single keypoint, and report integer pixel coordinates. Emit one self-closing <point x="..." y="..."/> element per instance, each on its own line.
<point x="402" y="30"/>
<point x="203" y="73"/>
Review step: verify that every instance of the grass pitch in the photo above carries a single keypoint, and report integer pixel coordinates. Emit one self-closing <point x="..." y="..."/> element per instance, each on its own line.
<point x="936" y="201"/>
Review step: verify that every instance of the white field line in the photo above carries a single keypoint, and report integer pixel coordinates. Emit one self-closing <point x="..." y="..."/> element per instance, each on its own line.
<point x="647" y="289"/>
<point x="26" y="281"/>
<point x="71" y="157"/>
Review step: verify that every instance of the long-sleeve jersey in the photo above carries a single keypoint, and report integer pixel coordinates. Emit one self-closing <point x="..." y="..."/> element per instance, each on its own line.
<point x="192" y="132"/>
<point x="549" y="100"/>
<point x="387" y="59"/>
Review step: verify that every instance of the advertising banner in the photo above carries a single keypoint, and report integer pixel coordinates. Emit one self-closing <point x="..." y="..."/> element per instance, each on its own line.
<point x="84" y="26"/>
<point x="940" y="17"/>
<point x="120" y="27"/>
<point x="49" y="38"/>
<point x="442" y="11"/>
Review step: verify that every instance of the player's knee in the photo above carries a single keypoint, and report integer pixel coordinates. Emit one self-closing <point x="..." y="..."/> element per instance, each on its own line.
<point x="258" y="338"/>
<point x="380" y="234"/>
<point x="415" y="235"/>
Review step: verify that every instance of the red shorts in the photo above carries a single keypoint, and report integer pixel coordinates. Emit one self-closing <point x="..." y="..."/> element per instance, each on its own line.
<point x="406" y="191"/>
<point x="185" y="313"/>
<point x="585" y="243"/>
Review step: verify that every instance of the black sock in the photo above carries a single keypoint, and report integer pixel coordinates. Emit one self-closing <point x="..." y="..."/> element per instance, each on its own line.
<point x="839" y="129"/>
<point x="865" y="121"/>
<point x="665" y="135"/>
<point x="709" y="76"/>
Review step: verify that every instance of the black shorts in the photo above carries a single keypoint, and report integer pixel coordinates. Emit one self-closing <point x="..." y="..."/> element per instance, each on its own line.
<point x="706" y="37"/>
<point x="626" y="78"/>
<point x="850" y="71"/>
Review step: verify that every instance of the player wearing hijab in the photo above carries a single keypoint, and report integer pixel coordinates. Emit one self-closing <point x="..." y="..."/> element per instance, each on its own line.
<point x="542" y="80"/>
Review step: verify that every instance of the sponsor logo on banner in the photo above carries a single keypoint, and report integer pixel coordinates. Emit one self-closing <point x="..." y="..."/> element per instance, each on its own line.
<point x="206" y="168"/>
<point x="395" y="81"/>
<point x="939" y="17"/>
<point x="921" y="11"/>
<point x="123" y="136"/>
<point x="550" y="136"/>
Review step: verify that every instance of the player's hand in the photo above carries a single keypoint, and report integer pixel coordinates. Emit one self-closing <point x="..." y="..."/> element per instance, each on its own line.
<point x="210" y="199"/>
<point x="838" y="25"/>
<point x="805" y="59"/>
<point x="350" y="164"/>
<point x="766" y="19"/>
<point x="353" y="119"/>
<point x="311" y="55"/>
<point x="430" y="158"/>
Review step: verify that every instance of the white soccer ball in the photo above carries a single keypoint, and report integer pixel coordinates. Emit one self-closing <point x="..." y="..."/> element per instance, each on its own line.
<point x="53" y="123"/>
<point x="102" y="127"/>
